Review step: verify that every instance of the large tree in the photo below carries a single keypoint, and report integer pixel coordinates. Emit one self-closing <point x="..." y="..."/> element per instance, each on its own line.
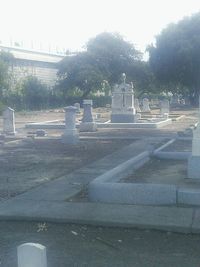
<point x="106" y="57"/>
<point x="175" y="57"/>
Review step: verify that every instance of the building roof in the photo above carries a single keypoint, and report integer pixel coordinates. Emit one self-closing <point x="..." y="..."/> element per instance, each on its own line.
<point x="20" y="53"/>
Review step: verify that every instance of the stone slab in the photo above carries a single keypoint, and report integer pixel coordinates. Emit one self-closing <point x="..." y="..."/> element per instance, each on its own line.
<point x="188" y="196"/>
<point x="137" y="194"/>
<point x="194" y="167"/>
<point x="176" y="219"/>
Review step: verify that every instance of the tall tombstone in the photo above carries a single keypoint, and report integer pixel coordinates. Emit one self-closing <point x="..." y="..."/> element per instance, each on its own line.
<point x="70" y="135"/>
<point x="123" y="110"/>
<point x="145" y="105"/>
<point x="194" y="159"/>
<point x="31" y="255"/>
<point x="87" y="124"/>
<point x="9" y="121"/>
<point x="77" y="105"/>
<point x="164" y="107"/>
<point x="137" y="105"/>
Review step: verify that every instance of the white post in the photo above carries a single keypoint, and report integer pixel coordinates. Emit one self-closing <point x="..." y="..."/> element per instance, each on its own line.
<point x="31" y="255"/>
<point x="9" y="121"/>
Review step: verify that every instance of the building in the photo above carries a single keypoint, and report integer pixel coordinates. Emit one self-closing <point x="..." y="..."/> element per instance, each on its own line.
<point x="29" y="62"/>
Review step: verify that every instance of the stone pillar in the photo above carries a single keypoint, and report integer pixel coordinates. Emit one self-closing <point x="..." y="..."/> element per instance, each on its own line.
<point x="70" y="135"/>
<point x="145" y="105"/>
<point x="164" y="107"/>
<point x="9" y="121"/>
<point x="77" y="105"/>
<point x="194" y="159"/>
<point x="31" y="255"/>
<point x="87" y="124"/>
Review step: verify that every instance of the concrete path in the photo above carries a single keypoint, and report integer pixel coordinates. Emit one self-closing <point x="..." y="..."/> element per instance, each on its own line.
<point x="48" y="202"/>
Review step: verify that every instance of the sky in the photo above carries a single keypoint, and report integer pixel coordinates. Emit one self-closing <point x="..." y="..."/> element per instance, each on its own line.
<point x="67" y="25"/>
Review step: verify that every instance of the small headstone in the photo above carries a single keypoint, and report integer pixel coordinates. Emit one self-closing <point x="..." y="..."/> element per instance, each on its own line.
<point x="9" y="121"/>
<point x="31" y="255"/>
<point x="87" y="124"/>
<point x="70" y="135"/>
<point x="164" y="107"/>
<point x="145" y="105"/>
<point x="77" y="105"/>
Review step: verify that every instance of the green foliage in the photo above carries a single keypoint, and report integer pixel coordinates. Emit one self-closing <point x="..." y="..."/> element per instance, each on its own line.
<point x="35" y="93"/>
<point x="175" y="58"/>
<point x="100" y="66"/>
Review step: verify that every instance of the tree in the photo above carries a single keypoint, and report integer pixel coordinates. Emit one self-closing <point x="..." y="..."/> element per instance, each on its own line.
<point x="175" y="58"/>
<point x="5" y="58"/>
<point x="106" y="57"/>
<point x="35" y="93"/>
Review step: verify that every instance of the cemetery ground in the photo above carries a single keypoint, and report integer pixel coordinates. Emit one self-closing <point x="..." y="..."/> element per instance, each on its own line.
<point x="27" y="161"/>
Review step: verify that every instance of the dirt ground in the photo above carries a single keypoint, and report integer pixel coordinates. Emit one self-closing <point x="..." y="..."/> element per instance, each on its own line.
<point x="29" y="163"/>
<point x="86" y="246"/>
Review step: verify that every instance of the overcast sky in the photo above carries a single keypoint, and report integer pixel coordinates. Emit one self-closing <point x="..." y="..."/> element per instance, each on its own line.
<point x="69" y="24"/>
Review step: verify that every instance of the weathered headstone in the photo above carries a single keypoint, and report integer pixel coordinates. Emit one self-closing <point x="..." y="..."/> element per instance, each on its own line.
<point x="123" y="110"/>
<point x="9" y="121"/>
<point x="77" y="105"/>
<point x="164" y="107"/>
<point x="31" y="255"/>
<point x="87" y="124"/>
<point x="70" y="135"/>
<point x="137" y="105"/>
<point x="175" y="100"/>
<point x="194" y="159"/>
<point x="145" y="105"/>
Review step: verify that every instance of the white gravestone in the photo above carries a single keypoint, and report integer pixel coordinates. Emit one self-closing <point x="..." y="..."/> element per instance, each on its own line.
<point x="77" y="105"/>
<point x="9" y="121"/>
<point x="164" y="107"/>
<point x="70" y="135"/>
<point x="87" y="124"/>
<point x="194" y="159"/>
<point x="31" y="255"/>
<point x="145" y="105"/>
<point x="137" y="105"/>
<point x="122" y="109"/>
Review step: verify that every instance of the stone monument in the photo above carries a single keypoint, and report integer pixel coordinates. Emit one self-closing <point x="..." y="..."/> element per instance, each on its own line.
<point x="164" y="107"/>
<point x="87" y="124"/>
<point x="145" y="105"/>
<point x="77" y="105"/>
<point x="9" y="121"/>
<point x="70" y="135"/>
<point x="194" y="159"/>
<point x="123" y="110"/>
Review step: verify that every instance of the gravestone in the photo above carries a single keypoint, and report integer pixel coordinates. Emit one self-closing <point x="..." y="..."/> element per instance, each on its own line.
<point x="31" y="255"/>
<point x="9" y="121"/>
<point x="137" y="105"/>
<point x="123" y="110"/>
<point x="175" y="101"/>
<point x="194" y="159"/>
<point x="70" y="135"/>
<point x="164" y="107"/>
<point x="145" y="105"/>
<point x="87" y="124"/>
<point x="77" y="105"/>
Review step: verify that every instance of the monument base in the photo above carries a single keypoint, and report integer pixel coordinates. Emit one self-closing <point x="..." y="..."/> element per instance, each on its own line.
<point x="9" y="133"/>
<point x="194" y="167"/>
<point x="123" y="118"/>
<point x="70" y="137"/>
<point x="88" y="127"/>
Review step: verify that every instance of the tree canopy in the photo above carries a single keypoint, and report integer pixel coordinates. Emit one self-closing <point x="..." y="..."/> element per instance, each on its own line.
<point x="175" y="57"/>
<point x="106" y="57"/>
